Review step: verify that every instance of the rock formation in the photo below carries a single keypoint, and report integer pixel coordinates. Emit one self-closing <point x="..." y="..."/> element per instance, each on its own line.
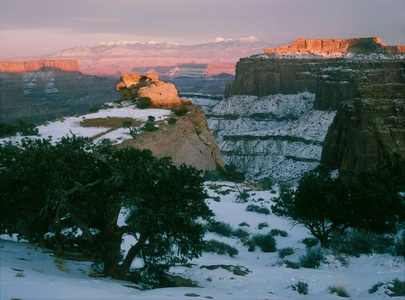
<point x="357" y="45"/>
<point x="366" y="130"/>
<point x="333" y="80"/>
<point x="283" y="138"/>
<point x="68" y="65"/>
<point x="136" y="86"/>
<point x="188" y="141"/>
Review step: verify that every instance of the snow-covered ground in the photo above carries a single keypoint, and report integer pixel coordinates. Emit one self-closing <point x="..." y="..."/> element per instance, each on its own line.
<point x="71" y="125"/>
<point x="29" y="272"/>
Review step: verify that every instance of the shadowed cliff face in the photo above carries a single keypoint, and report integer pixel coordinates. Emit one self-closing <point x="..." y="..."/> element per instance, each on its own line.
<point x="366" y="130"/>
<point x="333" y="80"/>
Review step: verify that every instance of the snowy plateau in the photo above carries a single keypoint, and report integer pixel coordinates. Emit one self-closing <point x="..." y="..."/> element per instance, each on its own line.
<point x="30" y="272"/>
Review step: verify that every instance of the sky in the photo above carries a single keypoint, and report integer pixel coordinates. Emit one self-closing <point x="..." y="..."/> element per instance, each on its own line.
<point x="29" y="28"/>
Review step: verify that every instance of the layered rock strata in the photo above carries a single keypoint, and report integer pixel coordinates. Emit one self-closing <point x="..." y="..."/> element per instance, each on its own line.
<point x="188" y="141"/>
<point x="277" y="136"/>
<point x="366" y="130"/>
<point x="333" y="80"/>
<point x="137" y="86"/>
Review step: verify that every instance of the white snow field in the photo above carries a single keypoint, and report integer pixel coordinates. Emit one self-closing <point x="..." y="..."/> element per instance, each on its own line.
<point x="29" y="272"/>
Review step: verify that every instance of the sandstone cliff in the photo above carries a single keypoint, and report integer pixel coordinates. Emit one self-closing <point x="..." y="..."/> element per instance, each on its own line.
<point x="68" y="65"/>
<point x="188" y="141"/>
<point x="136" y="86"/>
<point x="366" y="130"/>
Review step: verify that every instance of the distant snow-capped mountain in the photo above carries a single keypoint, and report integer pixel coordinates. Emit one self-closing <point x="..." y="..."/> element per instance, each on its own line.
<point x="219" y="47"/>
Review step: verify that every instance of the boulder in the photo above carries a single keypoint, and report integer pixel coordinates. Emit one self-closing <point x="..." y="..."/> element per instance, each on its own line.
<point x="136" y="86"/>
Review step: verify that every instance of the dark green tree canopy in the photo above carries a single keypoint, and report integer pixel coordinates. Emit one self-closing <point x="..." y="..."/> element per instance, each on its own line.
<point x="75" y="186"/>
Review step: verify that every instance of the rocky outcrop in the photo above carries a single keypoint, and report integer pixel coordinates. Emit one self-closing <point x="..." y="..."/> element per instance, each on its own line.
<point x="188" y="141"/>
<point x="357" y="45"/>
<point x="333" y="80"/>
<point x="136" y="86"/>
<point x="366" y="130"/>
<point x="68" y="65"/>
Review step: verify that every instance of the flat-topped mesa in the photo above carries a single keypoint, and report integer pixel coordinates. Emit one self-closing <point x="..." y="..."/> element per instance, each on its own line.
<point x="137" y="86"/>
<point x="69" y="65"/>
<point x="356" y="45"/>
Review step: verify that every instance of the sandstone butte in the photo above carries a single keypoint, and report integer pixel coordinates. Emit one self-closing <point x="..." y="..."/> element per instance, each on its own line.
<point x="69" y="65"/>
<point x="356" y="45"/>
<point x="162" y="94"/>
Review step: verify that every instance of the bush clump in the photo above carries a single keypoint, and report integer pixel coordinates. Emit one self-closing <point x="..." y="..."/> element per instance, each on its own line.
<point x="265" y="242"/>
<point x="300" y="287"/>
<point x="262" y="225"/>
<point x="221" y="228"/>
<point x="258" y="209"/>
<point x="339" y="290"/>
<point x="313" y="258"/>
<point x="144" y="102"/>
<point x="94" y="109"/>
<point x="220" y="248"/>
<point x="358" y="242"/>
<point x="285" y="252"/>
<point x="172" y="121"/>
<point x="276" y="232"/>
<point x="180" y="110"/>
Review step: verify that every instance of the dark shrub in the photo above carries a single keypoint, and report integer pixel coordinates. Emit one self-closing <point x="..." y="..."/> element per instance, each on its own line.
<point x="126" y="124"/>
<point x="258" y="209"/>
<point x="313" y="258"/>
<point x="276" y="232"/>
<point x="144" y="102"/>
<point x="339" y="290"/>
<point x="242" y="196"/>
<point x="397" y="288"/>
<point x="292" y="265"/>
<point x="265" y="242"/>
<point x="180" y="110"/>
<point x="230" y="173"/>
<point x="400" y="244"/>
<point x="149" y="126"/>
<point x="220" y="248"/>
<point x="285" y="252"/>
<point x="358" y="242"/>
<point x="151" y="118"/>
<point x="94" y="109"/>
<point x="300" y="287"/>
<point x="310" y="242"/>
<point x="375" y="288"/>
<point x="221" y="228"/>
<point x="241" y="233"/>
<point x="262" y="225"/>
<point x="172" y="121"/>
<point x="244" y="224"/>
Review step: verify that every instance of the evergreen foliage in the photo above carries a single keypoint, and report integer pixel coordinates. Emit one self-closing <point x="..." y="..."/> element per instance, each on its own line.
<point x="144" y="102"/>
<point x="48" y="189"/>
<point x="376" y="201"/>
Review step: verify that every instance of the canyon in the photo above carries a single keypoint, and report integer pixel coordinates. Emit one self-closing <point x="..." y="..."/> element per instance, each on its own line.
<point x="281" y="103"/>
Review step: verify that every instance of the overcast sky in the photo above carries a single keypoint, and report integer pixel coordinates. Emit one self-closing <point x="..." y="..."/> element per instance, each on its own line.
<point x="34" y="27"/>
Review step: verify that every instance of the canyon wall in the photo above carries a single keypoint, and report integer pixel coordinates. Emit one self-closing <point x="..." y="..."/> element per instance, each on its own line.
<point x="281" y="103"/>
<point x="366" y="131"/>
<point x="68" y="65"/>
<point x="333" y="80"/>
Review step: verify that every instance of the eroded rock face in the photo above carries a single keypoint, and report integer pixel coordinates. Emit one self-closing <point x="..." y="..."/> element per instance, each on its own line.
<point x="333" y="80"/>
<point x="137" y="86"/>
<point x="188" y="141"/>
<point x="69" y="65"/>
<point x="366" y="130"/>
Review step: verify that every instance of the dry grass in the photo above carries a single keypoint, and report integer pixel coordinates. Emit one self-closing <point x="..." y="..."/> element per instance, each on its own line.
<point x="112" y="123"/>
